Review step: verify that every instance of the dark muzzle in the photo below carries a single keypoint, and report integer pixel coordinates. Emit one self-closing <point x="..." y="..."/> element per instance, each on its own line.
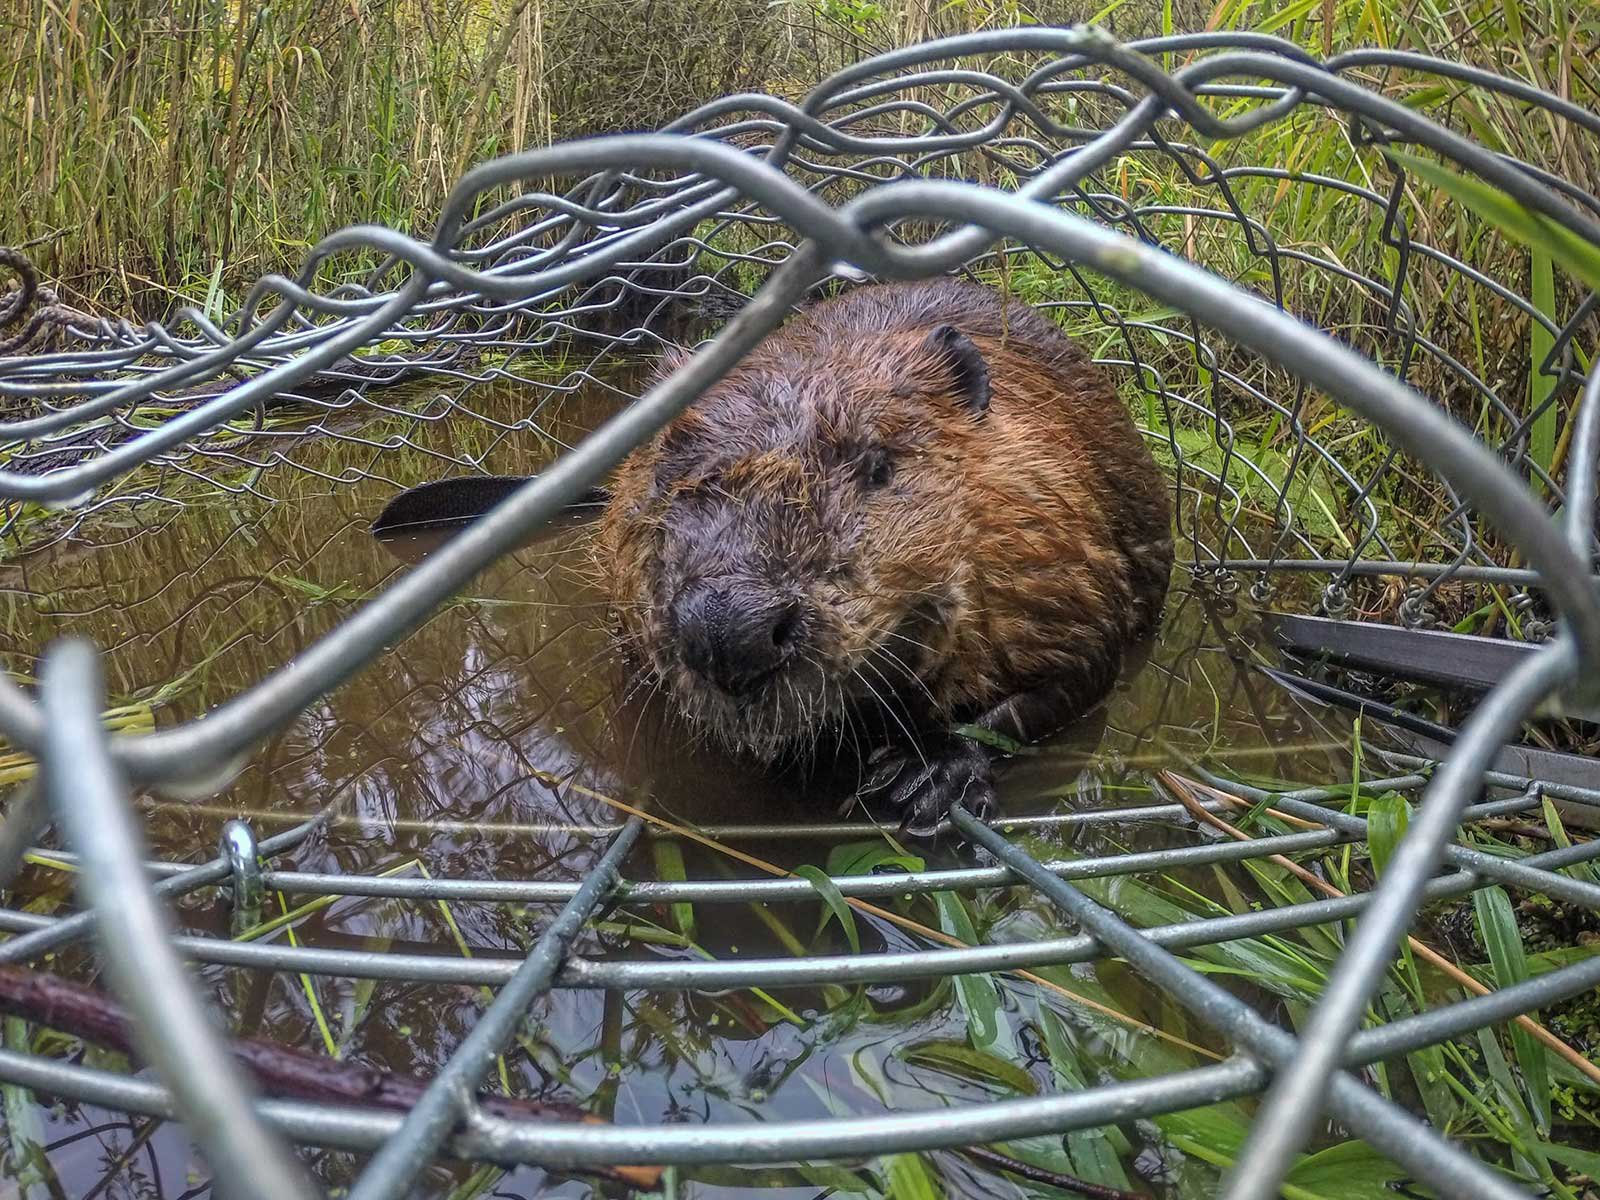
<point x="735" y="637"/>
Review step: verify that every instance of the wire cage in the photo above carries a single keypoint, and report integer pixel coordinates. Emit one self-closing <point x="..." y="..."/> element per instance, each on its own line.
<point x="1341" y="445"/>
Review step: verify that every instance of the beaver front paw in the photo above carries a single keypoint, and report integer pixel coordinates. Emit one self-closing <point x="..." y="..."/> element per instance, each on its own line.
<point x="919" y="784"/>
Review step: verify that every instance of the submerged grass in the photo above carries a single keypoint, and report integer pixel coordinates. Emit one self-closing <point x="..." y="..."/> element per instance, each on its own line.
<point x="997" y="1036"/>
<point x="1015" y="1024"/>
<point x="211" y="141"/>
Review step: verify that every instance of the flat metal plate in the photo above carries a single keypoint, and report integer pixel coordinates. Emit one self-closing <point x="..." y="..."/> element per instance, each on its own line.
<point x="1419" y="655"/>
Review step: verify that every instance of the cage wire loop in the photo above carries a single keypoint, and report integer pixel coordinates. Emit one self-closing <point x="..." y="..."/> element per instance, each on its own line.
<point x="976" y="151"/>
<point x="1295" y="1100"/>
<point x="173" y="1027"/>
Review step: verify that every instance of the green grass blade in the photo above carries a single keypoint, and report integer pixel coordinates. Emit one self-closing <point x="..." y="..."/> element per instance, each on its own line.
<point x="1349" y="1169"/>
<point x="1513" y="18"/>
<point x="479" y="1184"/>
<point x="838" y="1180"/>
<point x="978" y="994"/>
<point x="328" y="1041"/>
<point x="1497" y="925"/>
<point x="834" y="899"/>
<point x="910" y="1179"/>
<point x="862" y="858"/>
<point x="1286" y="15"/>
<point x="1579" y="256"/>
<point x="1558" y="833"/>
<point x="1387" y="819"/>
<point x="1206" y="1152"/>
<point x="1542" y="434"/>
<point x="1585" y="1161"/>
<point x="960" y="1059"/>
<point x="1096" y="1153"/>
<point x="670" y="867"/>
<point x="1507" y="1115"/>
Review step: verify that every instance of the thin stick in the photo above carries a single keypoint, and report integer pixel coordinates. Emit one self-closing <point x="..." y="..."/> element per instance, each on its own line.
<point x="907" y="923"/>
<point x="1055" y="1179"/>
<point x="1186" y="789"/>
<point x="278" y="1070"/>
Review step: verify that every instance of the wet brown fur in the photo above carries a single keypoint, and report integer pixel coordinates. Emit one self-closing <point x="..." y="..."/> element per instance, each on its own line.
<point x="1013" y="550"/>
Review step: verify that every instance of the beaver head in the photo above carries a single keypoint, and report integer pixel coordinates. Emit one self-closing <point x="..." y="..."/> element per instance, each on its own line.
<point x="789" y="549"/>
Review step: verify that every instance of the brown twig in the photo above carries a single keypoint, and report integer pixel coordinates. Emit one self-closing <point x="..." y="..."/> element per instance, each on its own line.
<point x="872" y="910"/>
<point x="1055" y="1179"/>
<point x="277" y="1070"/>
<point x="1187" y="792"/>
<point x="1522" y="829"/>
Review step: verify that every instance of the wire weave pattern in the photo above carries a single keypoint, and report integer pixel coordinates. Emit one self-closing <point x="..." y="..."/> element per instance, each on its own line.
<point x="1033" y="155"/>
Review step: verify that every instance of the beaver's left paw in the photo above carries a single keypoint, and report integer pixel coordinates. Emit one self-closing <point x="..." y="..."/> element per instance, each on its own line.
<point x="919" y="784"/>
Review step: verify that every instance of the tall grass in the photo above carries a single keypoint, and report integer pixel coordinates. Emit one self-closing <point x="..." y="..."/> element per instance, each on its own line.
<point x="147" y="143"/>
<point x="150" y="143"/>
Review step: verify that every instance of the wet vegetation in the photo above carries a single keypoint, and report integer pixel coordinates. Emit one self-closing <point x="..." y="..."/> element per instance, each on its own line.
<point x="486" y="744"/>
<point x="212" y="141"/>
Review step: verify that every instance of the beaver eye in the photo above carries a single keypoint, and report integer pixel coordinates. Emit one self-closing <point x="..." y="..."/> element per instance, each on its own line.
<point x="877" y="468"/>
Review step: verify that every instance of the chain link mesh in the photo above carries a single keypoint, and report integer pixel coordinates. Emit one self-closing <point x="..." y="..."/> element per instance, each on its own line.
<point x="1387" y="468"/>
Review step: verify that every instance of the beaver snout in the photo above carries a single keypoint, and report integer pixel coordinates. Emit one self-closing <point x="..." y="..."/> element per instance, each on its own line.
<point x="735" y="637"/>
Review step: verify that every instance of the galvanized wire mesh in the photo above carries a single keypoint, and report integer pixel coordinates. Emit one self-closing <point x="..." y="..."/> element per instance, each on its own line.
<point x="1042" y="156"/>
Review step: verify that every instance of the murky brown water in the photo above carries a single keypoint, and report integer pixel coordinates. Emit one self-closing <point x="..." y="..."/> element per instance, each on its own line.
<point x="465" y="750"/>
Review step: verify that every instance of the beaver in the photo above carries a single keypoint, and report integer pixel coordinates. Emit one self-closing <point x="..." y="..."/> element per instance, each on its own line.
<point x="919" y="499"/>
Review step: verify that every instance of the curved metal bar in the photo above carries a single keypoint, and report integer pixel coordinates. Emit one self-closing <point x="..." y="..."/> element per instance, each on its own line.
<point x="448" y="1099"/>
<point x="1512" y="576"/>
<point x="820" y="831"/>
<point x="491" y="970"/>
<point x="173" y="1029"/>
<point x="884" y="886"/>
<point x="1476" y="76"/>
<point x="1387" y="1127"/>
<point x="511" y="1143"/>
<point x="68" y="485"/>
<point x="1295" y="1100"/>
<point x="1584" y="478"/>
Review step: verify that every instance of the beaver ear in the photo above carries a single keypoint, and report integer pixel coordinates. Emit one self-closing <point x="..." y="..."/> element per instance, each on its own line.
<point x="673" y="358"/>
<point x="966" y="365"/>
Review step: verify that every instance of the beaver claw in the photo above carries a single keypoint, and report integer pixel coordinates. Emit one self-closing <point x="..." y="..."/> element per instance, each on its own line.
<point x="920" y="784"/>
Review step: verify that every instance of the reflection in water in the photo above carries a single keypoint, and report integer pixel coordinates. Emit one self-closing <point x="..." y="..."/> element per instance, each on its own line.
<point x="484" y="744"/>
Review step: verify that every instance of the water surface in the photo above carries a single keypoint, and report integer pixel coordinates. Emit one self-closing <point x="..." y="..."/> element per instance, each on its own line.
<point x="487" y="745"/>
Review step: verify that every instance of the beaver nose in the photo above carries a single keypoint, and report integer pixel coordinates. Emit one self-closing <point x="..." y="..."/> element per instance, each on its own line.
<point x="733" y="638"/>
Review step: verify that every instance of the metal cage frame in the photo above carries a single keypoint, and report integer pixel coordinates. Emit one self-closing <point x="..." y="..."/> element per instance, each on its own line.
<point x="537" y="265"/>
